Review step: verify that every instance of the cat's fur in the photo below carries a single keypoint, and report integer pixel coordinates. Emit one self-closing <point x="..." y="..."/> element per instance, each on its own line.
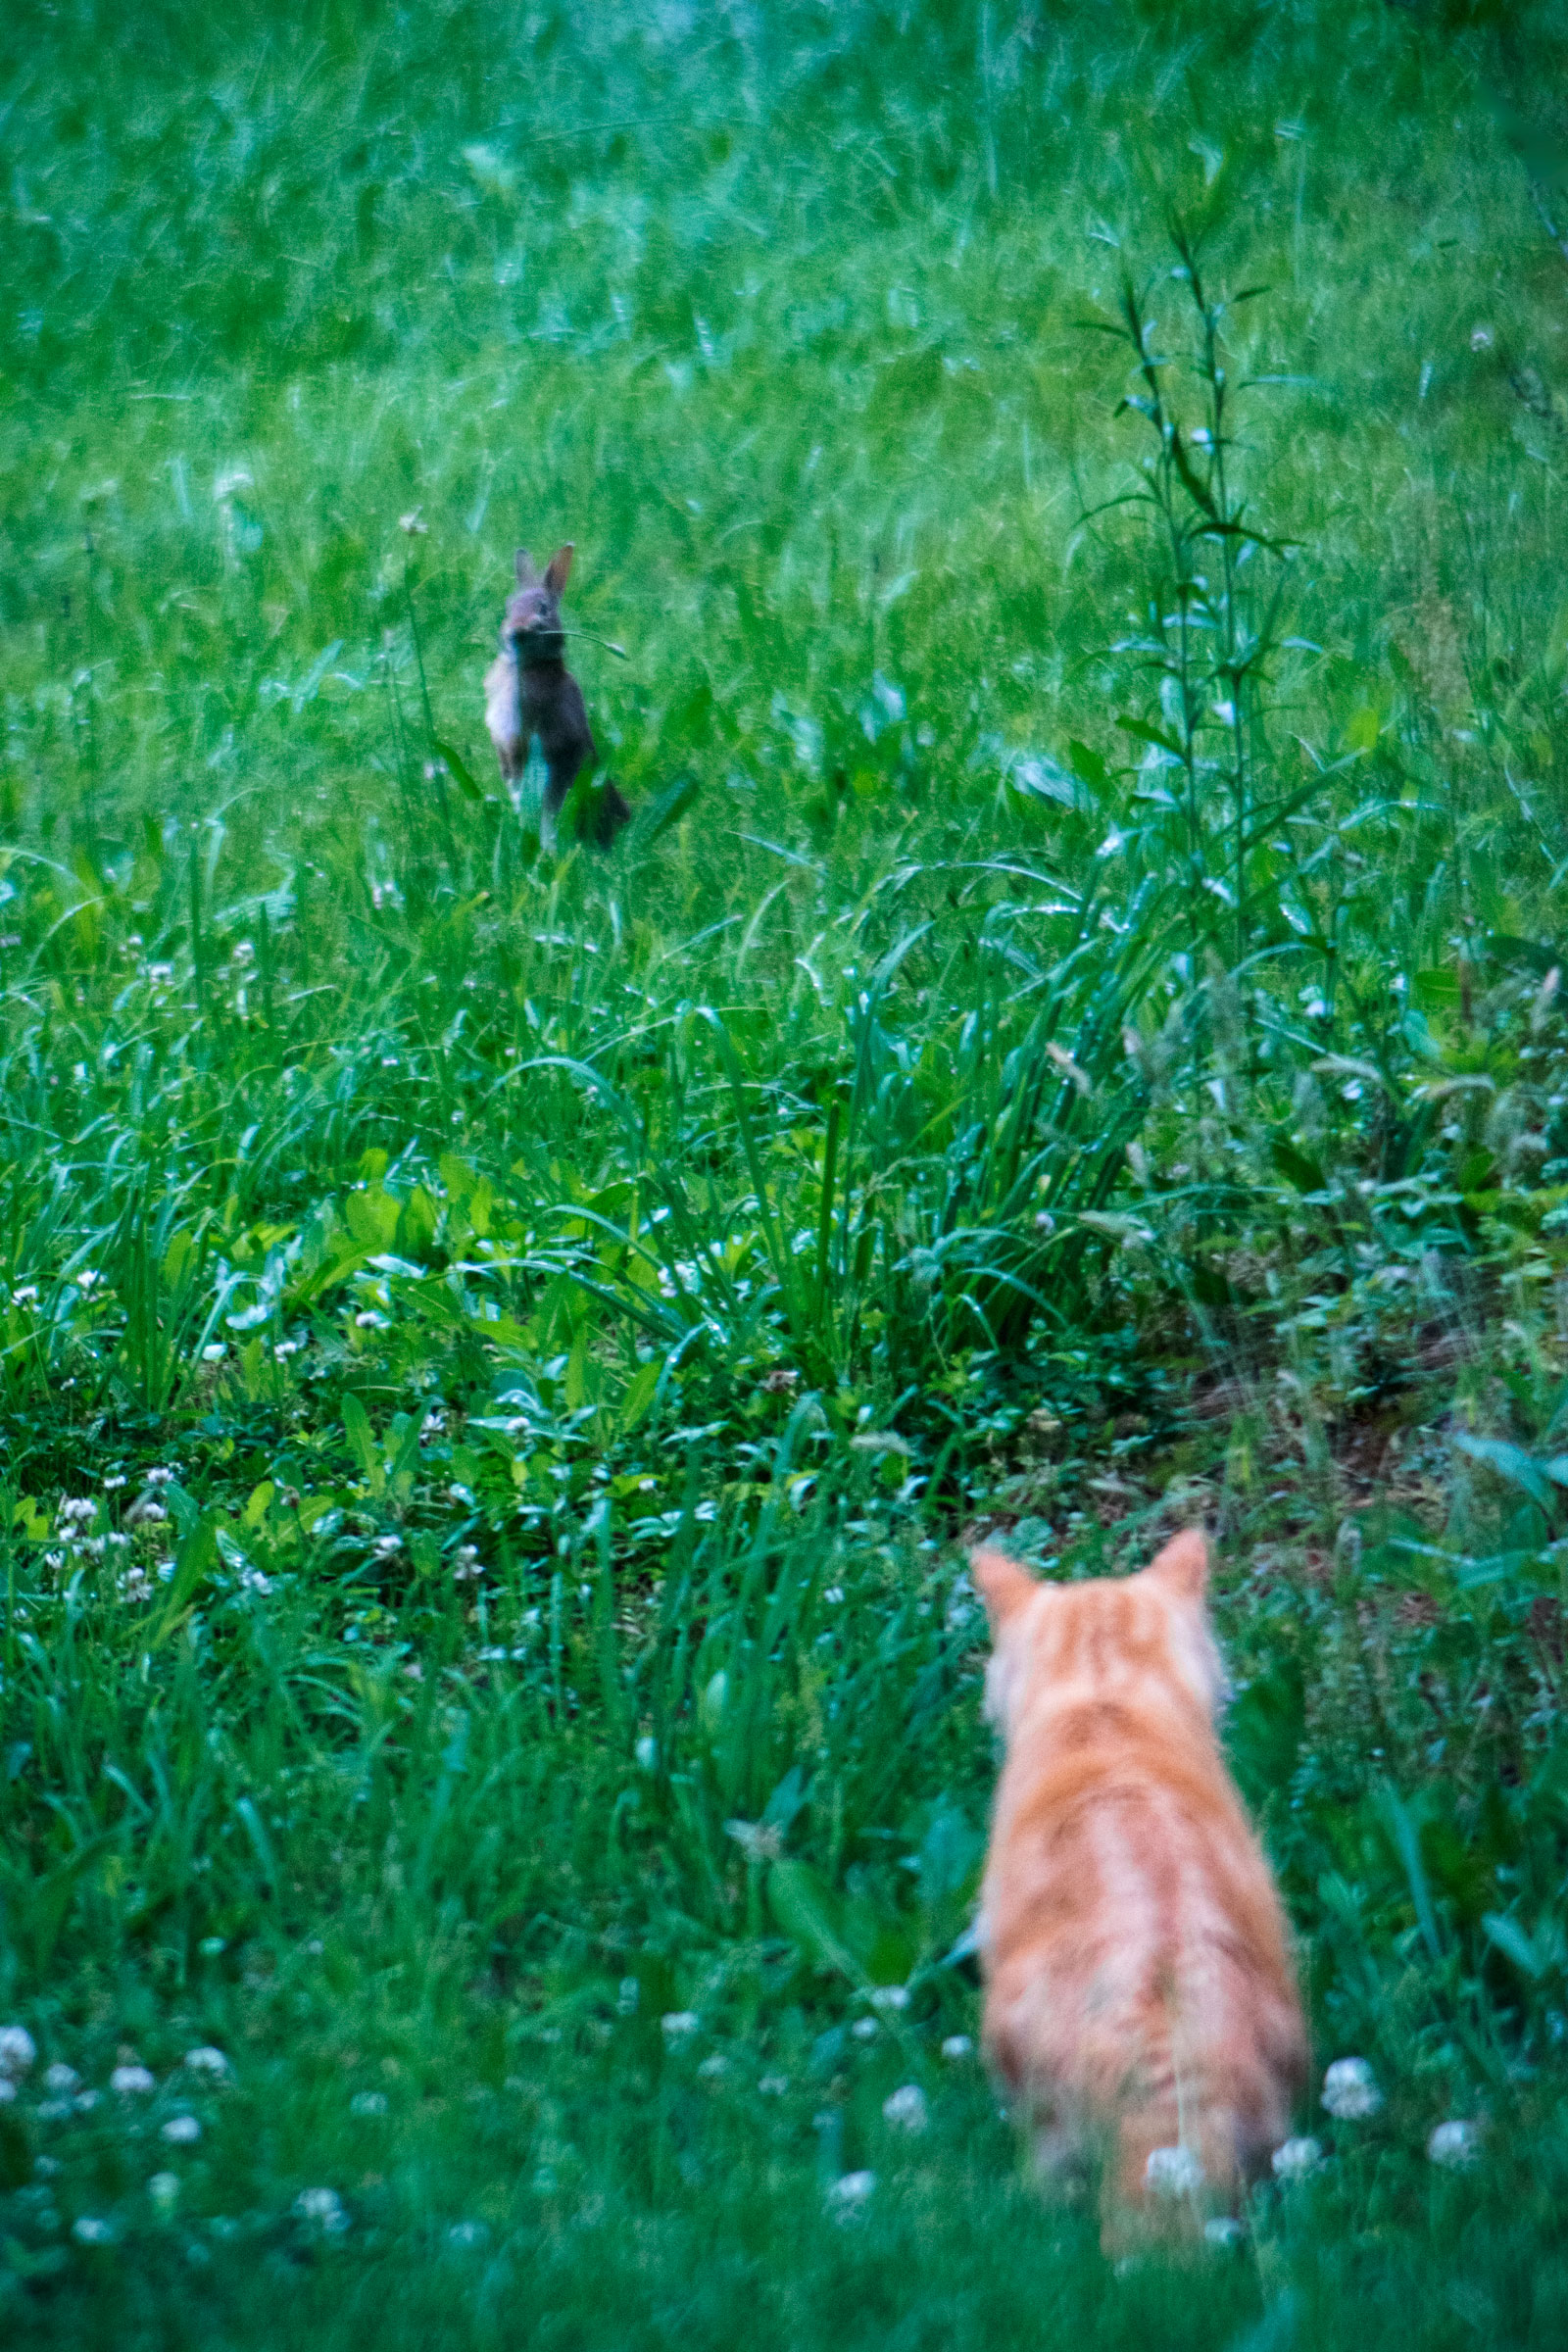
<point x="1139" y="1991"/>
<point x="529" y="692"/>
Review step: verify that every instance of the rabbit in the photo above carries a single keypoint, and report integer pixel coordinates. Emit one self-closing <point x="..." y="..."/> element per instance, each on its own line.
<point x="529" y="692"/>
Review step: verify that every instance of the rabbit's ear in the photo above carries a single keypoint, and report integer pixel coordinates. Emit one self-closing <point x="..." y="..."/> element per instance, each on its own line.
<point x="524" y="565"/>
<point x="559" y="569"/>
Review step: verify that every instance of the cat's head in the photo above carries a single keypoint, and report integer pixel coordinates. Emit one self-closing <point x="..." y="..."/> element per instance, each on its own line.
<point x="532" y="625"/>
<point x="1102" y="1635"/>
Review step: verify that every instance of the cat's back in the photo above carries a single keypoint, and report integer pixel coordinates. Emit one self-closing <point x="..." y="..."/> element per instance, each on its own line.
<point x="1130" y="1918"/>
<point x="1123" y="1872"/>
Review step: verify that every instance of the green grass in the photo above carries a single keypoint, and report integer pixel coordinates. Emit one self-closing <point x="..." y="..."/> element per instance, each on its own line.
<point x="1068" y="1045"/>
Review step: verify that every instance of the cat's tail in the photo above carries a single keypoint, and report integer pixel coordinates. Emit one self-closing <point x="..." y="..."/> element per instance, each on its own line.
<point x="1181" y="2165"/>
<point x="1189" y="2146"/>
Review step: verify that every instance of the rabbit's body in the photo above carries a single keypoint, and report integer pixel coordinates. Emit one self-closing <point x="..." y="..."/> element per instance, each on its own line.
<point x="531" y="695"/>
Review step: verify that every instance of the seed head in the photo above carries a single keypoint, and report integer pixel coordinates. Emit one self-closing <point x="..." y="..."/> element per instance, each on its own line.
<point x="906" y="2108"/>
<point x="1455" y="2144"/>
<point x="1173" y="2172"/>
<point x="17" y="2051"/>
<point x="1296" y="2158"/>
<point x="322" y="2209"/>
<point x="1350" y="2090"/>
<point x="851" y="2191"/>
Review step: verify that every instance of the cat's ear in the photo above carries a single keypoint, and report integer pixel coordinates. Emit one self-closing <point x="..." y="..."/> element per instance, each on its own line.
<point x="559" y="569"/>
<point x="1182" y="1565"/>
<point x="1001" y="1584"/>
<point x="522" y="566"/>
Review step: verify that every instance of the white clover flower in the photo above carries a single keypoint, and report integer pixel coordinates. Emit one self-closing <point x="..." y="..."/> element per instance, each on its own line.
<point x="160" y="1478"/>
<point x="60" y="2080"/>
<point x="135" y="1585"/>
<point x="25" y="1295"/>
<point x="1293" y="2159"/>
<point x="88" y="2230"/>
<point x="432" y="1426"/>
<point x="17" y="2051"/>
<point x="851" y="2190"/>
<point x="77" y="1510"/>
<point x="467" y="1566"/>
<point x="287" y="1348"/>
<point x="160" y="974"/>
<point x="87" y="1279"/>
<point x="216" y="1353"/>
<point x="112" y="1486"/>
<point x="1173" y="2172"/>
<point x="163" y="2190"/>
<point x="251" y="1579"/>
<point x="1455" y="2144"/>
<point x="385" y="1545"/>
<point x="773" y="2086"/>
<point x="132" y="2082"/>
<point x="1350" y="2090"/>
<point x="368" y="2102"/>
<point x="906" y="2108"/>
<point x="890" y="1996"/>
<point x="323" y="2208"/>
<point x="956" y="2049"/>
<point x="182" y="2130"/>
<point x="833" y="1595"/>
<point x="865" y="2029"/>
<point x="370" y="1320"/>
<point x="1223" y="2230"/>
<point x="678" y="2025"/>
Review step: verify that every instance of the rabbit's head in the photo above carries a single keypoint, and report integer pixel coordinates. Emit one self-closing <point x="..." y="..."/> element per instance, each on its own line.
<point x="532" y="625"/>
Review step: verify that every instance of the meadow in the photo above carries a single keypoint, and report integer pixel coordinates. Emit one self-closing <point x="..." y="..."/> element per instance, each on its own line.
<point x="501" y="1351"/>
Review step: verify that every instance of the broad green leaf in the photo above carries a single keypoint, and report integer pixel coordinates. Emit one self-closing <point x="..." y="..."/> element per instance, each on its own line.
<point x="668" y="809"/>
<point x="259" y="1503"/>
<point x="1509" y="1462"/>
<point x="195" y="1559"/>
<point x="807" y="1913"/>
<point x="1296" y="1168"/>
<point x="458" y="770"/>
<point x="1509" y="1936"/>
<point x="639" y="1394"/>
<point x="362" y="1442"/>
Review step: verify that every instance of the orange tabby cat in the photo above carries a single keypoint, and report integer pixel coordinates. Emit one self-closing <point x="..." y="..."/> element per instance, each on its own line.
<point x="1138" y="1988"/>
